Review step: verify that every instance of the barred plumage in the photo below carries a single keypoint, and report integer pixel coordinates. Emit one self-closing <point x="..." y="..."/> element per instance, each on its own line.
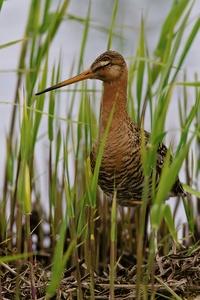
<point x="121" y="165"/>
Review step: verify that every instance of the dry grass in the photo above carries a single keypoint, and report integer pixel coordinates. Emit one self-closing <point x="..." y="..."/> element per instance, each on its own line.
<point x="177" y="272"/>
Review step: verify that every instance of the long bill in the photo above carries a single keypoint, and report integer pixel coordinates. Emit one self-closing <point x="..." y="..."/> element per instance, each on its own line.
<point x="87" y="74"/>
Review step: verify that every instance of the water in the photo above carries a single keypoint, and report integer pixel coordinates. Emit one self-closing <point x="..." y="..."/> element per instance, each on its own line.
<point x="12" y="25"/>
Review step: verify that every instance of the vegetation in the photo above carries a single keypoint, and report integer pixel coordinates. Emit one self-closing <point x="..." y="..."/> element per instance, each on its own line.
<point x="92" y="247"/>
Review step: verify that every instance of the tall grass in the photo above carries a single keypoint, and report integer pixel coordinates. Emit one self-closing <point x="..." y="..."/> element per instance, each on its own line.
<point x="83" y="223"/>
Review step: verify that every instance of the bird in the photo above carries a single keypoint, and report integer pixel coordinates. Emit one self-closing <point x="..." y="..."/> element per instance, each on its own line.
<point x="121" y="170"/>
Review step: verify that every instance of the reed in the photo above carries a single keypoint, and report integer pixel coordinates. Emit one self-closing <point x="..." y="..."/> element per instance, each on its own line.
<point x="89" y="235"/>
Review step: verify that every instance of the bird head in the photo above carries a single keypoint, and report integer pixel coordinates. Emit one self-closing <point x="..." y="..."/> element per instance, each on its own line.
<point x="108" y="67"/>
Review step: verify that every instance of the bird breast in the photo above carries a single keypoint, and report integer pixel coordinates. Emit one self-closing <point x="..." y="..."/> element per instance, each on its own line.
<point x="120" y="164"/>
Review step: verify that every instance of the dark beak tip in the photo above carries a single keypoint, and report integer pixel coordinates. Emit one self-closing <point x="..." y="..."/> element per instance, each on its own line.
<point x="39" y="93"/>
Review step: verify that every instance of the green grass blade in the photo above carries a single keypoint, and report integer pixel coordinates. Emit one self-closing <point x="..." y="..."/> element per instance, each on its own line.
<point x="178" y="8"/>
<point x="170" y="223"/>
<point x="114" y="14"/>
<point x="12" y="43"/>
<point x="84" y="39"/>
<point x="60" y="261"/>
<point x="190" y="190"/>
<point x="175" y="296"/>
<point x="187" y="46"/>
<point x="98" y="159"/>
<point x="39" y="104"/>
<point x="168" y="178"/>
<point x="113" y="241"/>
<point x="140" y="69"/>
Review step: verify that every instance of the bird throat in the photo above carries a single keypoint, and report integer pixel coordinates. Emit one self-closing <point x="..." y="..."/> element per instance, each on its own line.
<point x="114" y="97"/>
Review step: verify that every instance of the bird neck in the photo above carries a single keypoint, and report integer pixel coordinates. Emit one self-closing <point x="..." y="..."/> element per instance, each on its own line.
<point x="114" y="97"/>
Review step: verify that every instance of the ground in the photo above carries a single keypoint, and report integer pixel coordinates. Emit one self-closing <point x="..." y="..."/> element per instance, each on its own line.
<point x="177" y="272"/>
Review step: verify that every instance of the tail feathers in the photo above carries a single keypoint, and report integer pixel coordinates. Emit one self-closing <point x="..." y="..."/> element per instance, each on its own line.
<point x="177" y="190"/>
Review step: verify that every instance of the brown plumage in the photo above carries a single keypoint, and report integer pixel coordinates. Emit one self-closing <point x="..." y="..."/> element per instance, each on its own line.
<point x="121" y="165"/>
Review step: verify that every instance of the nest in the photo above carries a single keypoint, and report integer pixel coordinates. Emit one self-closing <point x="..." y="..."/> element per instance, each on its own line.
<point x="178" y="272"/>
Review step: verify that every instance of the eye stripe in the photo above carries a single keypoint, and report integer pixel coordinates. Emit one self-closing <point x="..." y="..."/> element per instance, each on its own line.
<point x="103" y="63"/>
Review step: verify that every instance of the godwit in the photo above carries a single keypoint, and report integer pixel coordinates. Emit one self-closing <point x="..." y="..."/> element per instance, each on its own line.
<point x="121" y="165"/>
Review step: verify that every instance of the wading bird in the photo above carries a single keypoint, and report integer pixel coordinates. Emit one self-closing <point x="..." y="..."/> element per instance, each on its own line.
<point x="121" y="167"/>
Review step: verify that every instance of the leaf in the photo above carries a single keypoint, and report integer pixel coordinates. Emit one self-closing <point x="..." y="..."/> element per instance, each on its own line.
<point x="12" y="43"/>
<point x="24" y="188"/>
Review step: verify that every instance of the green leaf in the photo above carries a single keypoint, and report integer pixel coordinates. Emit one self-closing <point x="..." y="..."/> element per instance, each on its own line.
<point x="12" y="43"/>
<point x="157" y="214"/>
<point x="170" y="223"/>
<point x="170" y="174"/>
<point x="178" y="8"/>
<point x="190" y="190"/>
<point x="26" y="135"/>
<point x="24" y="188"/>
<point x="98" y="159"/>
<point x="141" y="68"/>
<point x="60" y="261"/>
<point x="113" y="17"/>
